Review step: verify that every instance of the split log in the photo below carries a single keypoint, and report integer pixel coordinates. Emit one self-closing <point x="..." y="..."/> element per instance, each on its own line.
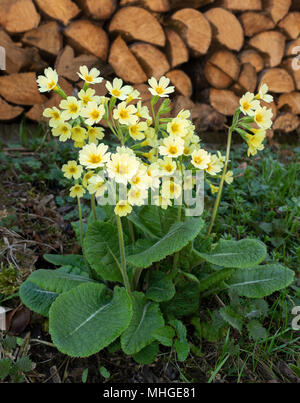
<point x="67" y="65"/>
<point x="293" y="48"/>
<point x="62" y="10"/>
<point x="247" y="80"/>
<point x="189" y="3"/>
<point x="17" y="16"/>
<point x="205" y="118"/>
<point x="278" y="9"/>
<point x="254" y="58"/>
<point x="98" y="10"/>
<point x="46" y="38"/>
<point x="290" y="101"/>
<point x="159" y="6"/>
<point x="278" y="80"/>
<point x="152" y="60"/>
<point x="87" y="37"/>
<point x="223" y="101"/>
<point x="177" y="51"/>
<point x="292" y="65"/>
<point x="229" y="30"/>
<point x="125" y="64"/>
<point x="291" y="25"/>
<point x="286" y="122"/>
<point x="272" y="43"/>
<point x="135" y="23"/>
<point x="181" y="81"/>
<point x="9" y="112"/>
<point x="254" y="23"/>
<point x="18" y="58"/>
<point x="21" y="89"/>
<point x="222" y="69"/>
<point x="194" y="28"/>
<point x="245" y="5"/>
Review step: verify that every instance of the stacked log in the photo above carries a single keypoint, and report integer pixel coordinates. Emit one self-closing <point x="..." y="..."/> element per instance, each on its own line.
<point x="213" y="51"/>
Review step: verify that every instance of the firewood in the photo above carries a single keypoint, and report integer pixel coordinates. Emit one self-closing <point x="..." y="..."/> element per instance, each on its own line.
<point x="291" y="25"/>
<point x="159" y="6"/>
<point x="67" y="65"/>
<point x="152" y="60"/>
<point x="247" y="80"/>
<point x="87" y="37"/>
<point x="286" y="122"/>
<point x="176" y="49"/>
<point x="135" y="23"/>
<point x="272" y="43"/>
<point x="290" y="101"/>
<point x="245" y="5"/>
<point x="254" y="23"/>
<point x="18" y="58"/>
<point x="278" y="80"/>
<point x="99" y="10"/>
<point x="292" y="65"/>
<point x="189" y="3"/>
<point x="181" y="81"/>
<point x="9" y="112"/>
<point x="278" y="9"/>
<point x="223" y="101"/>
<point x="206" y="118"/>
<point x="21" y="89"/>
<point x="254" y="58"/>
<point x="293" y="48"/>
<point x="229" y="30"/>
<point x="46" y="38"/>
<point x="125" y="63"/>
<point x="18" y="16"/>
<point x="62" y="10"/>
<point x="221" y="69"/>
<point x="194" y="28"/>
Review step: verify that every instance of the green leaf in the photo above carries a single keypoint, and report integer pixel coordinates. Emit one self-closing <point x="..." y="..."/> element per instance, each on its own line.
<point x="5" y="365"/>
<point x="147" y="355"/>
<point x="231" y="317"/>
<point x="182" y="349"/>
<point x="104" y="372"/>
<point x="24" y="364"/>
<point x="236" y="254"/>
<point x="164" y="335"/>
<point x="160" y="287"/>
<point x="260" y="281"/>
<point x="145" y="320"/>
<point x="86" y="319"/>
<point x="179" y="235"/>
<point x="42" y="288"/>
<point x="66" y="260"/>
<point x="101" y="249"/>
<point x="213" y="279"/>
<point x="256" y="330"/>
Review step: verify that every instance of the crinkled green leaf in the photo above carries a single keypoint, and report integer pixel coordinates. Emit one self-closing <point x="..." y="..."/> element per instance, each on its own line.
<point x="5" y="365"/>
<point x="260" y="281"/>
<point x="231" y="317"/>
<point x="182" y="349"/>
<point x="213" y="279"/>
<point x="66" y="260"/>
<point x="256" y="330"/>
<point x="145" y="320"/>
<point x="165" y="335"/>
<point x="147" y="355"/>
<point x="87" y="319"/>
<point x="236" y="254"/>
<point x="160" y="288"/>
<point x="179" y="235"/>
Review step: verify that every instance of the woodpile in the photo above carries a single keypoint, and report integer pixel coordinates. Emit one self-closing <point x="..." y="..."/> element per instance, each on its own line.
<point x="213" y="51"/>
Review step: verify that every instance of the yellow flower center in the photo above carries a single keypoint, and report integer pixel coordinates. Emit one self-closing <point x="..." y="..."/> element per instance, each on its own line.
<point x="88" y="78"/>
<point x="95" y="115"/>
<point x="51" y="84"/>
<point x="95" y="159"/>
<point x="198" y="160"/>
<point x="134" y="130"/>
<point x="55" y="115"/>
<point x="175" y="127"/>
<point x="259" y="118"/>
<point x="173" y="150"/>
<point x="246" y="106"/>
<point x="72" y="170"/>
<point x="159" y="90"/>
<point x="169" y="168"/>
<point x="86" y="100"/>
<point x="64" y="129"/>
<point x="116" y="93"/>
<point x="73" y="108"/>
<point x="124" y="114"/>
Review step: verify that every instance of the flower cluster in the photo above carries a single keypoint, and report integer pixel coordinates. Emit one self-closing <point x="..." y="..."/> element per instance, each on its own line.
<point x="152" y="149"/>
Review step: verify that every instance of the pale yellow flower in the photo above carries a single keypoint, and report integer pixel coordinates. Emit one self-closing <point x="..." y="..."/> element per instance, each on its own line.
<point x="137" y="197"/>
<point x="122" y="167"/>
<point x="263" y="94"/>
<point x="214" y="166"/>
<point x="78" y="134"/>
<point x="123" y="208"/>
<point x="255" y="141"/>
<point x="63" y="131"/>
<point x="90" y="77"/>
<point x="125" y="114"/>
<point x="141" y="179"/>
<point x="200" y="159"/>
<point x="92" y="156"/>
<point x="72" y="108"/>
<point x="116" y="90"/>
<point x="72" y="170"/>
<point x="163" y="202"/>
<point x="178" y="127"/>
<point x="248" y="104"/>
<point x="88" y="96"/>
<point x="55" y="116"/>
<point x="87" y="177"/>
<point x="48" y="82"/>
<point x="170" y="189"/>
<point x="93" y="113"/>
<point x="77" y="191"/>
<point x="167" y="166"/>
<point x="263" y="117"/>
<point x="134" y="94"/>
<point x="229" y="177"/>
<point x="153" y="175"/>
<point x="183" y="114"/>
<point x="94" y="134"/>
<point x="97" y="186"/>
<point x="214" y="189"/>
<point x="160" y="88"/>
<point x="142" y="111"/>
<point x="172" y="147"/>
<point x="151" y="138"/>
<point x="137" y="131"/>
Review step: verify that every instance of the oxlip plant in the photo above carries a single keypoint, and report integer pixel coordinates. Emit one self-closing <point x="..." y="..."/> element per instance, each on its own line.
<point x="140" y="276"/>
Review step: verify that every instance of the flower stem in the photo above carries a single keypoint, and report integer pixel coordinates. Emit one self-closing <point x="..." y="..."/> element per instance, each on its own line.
<point x="122" y="254"/>
<point x="218" y="199"/>
<point x="93" y="205"/>
<point x="80" y="221"/>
